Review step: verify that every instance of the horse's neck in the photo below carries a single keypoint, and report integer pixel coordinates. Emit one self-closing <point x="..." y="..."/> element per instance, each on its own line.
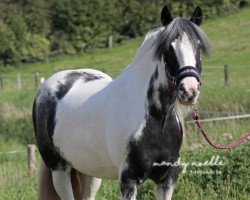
<point x="143" y="87"/>
<point x="133" y="82"/>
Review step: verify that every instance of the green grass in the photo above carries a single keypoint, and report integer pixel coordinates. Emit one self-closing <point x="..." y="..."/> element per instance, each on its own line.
<point x="226" y="182"/>
<point x="230" y="40"/>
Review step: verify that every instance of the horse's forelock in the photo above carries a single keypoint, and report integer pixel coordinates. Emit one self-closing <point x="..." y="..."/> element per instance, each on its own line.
<point x="175" y="30"/>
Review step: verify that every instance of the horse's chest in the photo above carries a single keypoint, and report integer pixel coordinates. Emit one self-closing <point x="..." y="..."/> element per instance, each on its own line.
<point x="157" y="145"/>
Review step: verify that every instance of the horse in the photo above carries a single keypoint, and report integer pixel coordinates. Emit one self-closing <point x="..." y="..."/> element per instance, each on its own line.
<point x="89" y="127"/>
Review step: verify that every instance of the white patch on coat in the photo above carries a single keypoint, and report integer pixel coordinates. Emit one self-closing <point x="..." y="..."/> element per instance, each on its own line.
<point x="170" y="190"/>
<point x="185" y="54"/>
<point x="162" y="73"/>
<point x="138" y="133"/>
<point x="160" y="81"/>
<point x="156" y="99"/>
<point x="184" y="51"/>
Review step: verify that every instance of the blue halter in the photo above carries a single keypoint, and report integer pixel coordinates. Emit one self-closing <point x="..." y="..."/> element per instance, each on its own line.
<point x="187" y="71"/>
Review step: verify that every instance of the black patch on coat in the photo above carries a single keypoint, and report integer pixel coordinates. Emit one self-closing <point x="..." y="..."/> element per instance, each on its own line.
<point x="71" y="78"/>
<point x="161" y="138"/>
<point x="44" y="124"/>
<point x="157" y="144"/>
<point x="34" y="115"/>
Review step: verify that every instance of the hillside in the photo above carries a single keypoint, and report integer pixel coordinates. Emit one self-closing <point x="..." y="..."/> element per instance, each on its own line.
<point x="230" y="39"/>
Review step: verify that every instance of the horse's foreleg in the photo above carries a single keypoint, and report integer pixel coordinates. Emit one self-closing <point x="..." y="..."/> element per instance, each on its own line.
<point x="62" y="183"/>
<point x="90" y="187"/>
<point x="128" y="183"/>
<point x="165" y="188"/>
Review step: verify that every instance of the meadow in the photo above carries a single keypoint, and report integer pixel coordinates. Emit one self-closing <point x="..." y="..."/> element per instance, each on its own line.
<point x="229" y="36"/>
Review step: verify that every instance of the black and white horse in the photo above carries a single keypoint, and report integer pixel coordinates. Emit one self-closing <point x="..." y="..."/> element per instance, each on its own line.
<point x="89" y="127"/>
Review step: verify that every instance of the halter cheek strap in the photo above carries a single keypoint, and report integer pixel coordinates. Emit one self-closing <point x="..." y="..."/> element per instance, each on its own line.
<point x="187" y="71"/>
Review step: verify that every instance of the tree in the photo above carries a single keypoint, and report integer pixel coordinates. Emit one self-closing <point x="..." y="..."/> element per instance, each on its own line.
<point x="7" y="48"/>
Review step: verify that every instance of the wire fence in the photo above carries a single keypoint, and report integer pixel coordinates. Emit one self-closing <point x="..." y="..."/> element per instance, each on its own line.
<point x="222" y="118"/>
<point x="21" y="81"/>
<point x="34" y="80"/>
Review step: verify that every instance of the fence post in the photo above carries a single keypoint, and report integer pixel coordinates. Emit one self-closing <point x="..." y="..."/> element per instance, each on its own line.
<point x="18" y="81"/>
<point x="110" y="41"/>
<point x="226" y="75"/>
<point x="31" y="159"/>
<point x="46" y="58"/>
<point x="37" y="80"/>
<point x="1" y="82"/>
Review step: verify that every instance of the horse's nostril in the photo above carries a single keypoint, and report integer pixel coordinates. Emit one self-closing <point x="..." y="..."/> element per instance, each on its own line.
<point x="181" y="86"/>
<point x="190" y="98"/>
<point x="182" y="90"/>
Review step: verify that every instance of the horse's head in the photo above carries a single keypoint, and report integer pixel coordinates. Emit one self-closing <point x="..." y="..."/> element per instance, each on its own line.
<point x="179" y="46"/>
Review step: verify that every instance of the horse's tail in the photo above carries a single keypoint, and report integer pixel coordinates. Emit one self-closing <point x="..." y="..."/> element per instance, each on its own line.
<point x="46" y="187"/>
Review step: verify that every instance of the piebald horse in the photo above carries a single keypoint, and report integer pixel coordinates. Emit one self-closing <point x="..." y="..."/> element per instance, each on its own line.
<point x="89" y="127"/>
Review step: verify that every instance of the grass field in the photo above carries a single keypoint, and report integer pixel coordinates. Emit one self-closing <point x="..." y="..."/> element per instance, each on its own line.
<point x="231" y="45"/>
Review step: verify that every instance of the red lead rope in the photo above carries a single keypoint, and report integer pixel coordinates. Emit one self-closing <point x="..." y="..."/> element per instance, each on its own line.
<point x="195" y="117"/>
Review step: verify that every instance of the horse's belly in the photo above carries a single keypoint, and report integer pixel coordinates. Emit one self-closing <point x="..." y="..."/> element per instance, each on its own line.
<point x="83" y="146"/>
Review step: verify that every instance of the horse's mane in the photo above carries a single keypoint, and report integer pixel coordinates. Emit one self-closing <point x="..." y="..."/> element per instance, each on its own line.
<point x="175" y="30"/>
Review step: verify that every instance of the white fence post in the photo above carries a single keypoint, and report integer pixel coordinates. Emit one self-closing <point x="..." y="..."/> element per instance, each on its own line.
<point x="18" y="81"/>
<point x="110" y="41"/>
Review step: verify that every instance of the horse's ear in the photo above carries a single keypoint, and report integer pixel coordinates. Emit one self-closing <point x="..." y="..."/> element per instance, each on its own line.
<point x="166" y="17"/>
<point x="197" y="16"/>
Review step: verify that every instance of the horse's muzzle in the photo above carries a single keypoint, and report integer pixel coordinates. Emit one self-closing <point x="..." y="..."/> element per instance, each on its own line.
<point x="188" y="91"/>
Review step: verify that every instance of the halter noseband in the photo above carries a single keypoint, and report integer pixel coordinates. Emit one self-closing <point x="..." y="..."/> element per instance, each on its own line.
<point x="182" y="73"/>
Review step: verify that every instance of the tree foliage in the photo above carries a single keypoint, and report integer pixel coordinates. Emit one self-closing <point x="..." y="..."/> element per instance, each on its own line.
<point x="30" y="30"/>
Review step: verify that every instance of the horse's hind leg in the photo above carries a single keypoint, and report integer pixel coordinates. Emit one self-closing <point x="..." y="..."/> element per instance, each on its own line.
<point x="62" y="183"/>
<point x="90" y="187"/>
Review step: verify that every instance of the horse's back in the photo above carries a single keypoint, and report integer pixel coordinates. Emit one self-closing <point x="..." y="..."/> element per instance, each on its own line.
<point x="60" y="97"/>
